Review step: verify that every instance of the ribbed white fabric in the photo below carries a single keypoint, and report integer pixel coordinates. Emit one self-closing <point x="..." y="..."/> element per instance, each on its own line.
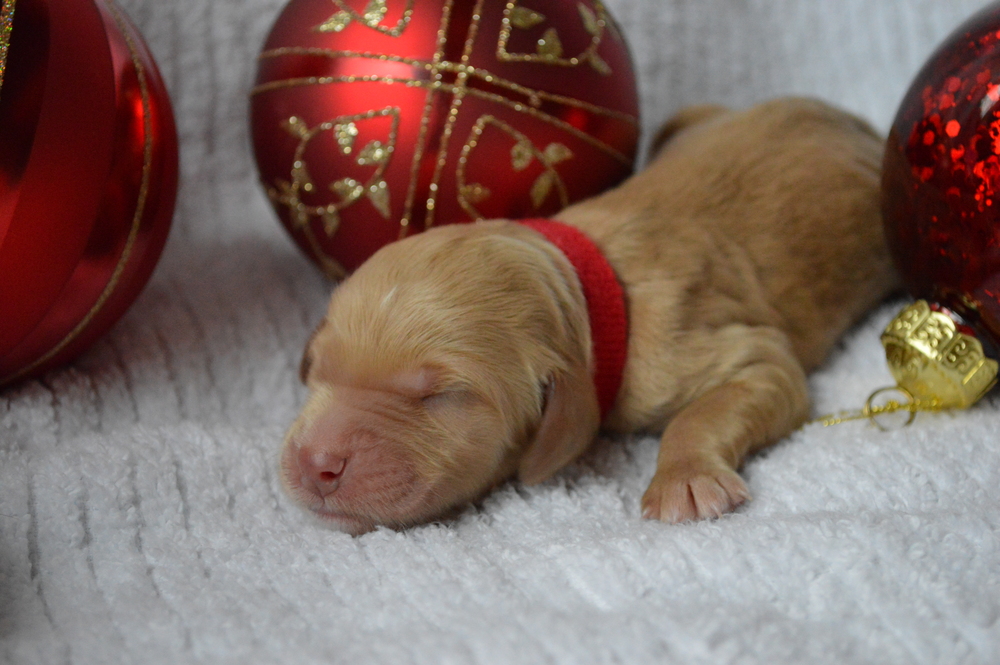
<point x="141" y="520"/>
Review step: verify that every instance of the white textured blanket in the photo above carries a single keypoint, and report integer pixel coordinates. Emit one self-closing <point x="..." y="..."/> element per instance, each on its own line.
<point x="141" y="520"/>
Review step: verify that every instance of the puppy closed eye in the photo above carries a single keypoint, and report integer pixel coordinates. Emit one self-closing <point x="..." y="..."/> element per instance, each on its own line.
<point x="427" y="388"/>
<point x="447" y="399"/>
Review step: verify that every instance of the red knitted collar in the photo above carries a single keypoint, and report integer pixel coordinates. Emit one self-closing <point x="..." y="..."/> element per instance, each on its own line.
<point x="605" y="304"/>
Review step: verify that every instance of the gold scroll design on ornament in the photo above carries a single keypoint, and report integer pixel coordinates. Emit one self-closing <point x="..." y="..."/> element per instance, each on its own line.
<point x="140" y="206"/>
<point x="934" y="361"/>
<point x="6" y="28"/>
<point x="522" y="155"/>
<point x="432" y="83"/>
<point x="344" y="131"/>
<point x="371" y="16"/>
<point x="535" y="98"/>
<point x="549" y="47"/>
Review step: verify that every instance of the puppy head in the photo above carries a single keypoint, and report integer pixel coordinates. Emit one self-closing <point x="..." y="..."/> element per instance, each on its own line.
<point x="446" y="364"/>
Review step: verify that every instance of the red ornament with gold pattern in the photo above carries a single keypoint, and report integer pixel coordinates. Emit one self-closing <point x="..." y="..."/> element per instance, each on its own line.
<point x="374" y="119"/>
<point x="88" y="176"/>
<point x="941" y="204"/>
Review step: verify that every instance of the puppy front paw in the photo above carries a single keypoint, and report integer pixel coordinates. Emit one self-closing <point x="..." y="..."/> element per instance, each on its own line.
<point x="693" y="490"/>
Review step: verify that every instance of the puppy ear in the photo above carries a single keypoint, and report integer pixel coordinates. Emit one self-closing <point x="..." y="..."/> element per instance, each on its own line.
<point x="569" y="424"/>
<point x="307" y="357"/>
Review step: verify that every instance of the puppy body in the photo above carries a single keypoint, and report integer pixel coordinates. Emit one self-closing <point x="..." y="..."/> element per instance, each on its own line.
<point x="757" y="240"/>
<point x="462" y="356"/>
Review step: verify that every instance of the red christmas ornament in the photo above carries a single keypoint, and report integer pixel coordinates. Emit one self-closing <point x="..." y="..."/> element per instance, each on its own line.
<point x="88" y="176"/>
<point x="373" y="119"/>
<point x="941" y="206"/>
<point x="942" y="177"/>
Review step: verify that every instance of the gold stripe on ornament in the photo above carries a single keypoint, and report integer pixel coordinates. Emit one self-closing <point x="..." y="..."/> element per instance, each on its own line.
<point x="6" y="28"/>
<point x="438" y="86"/>
<point x="535" y="97"/>
<point x="425" y="117"/>
<point x="418" y="154"/>
<point x="147" y="167"/>
<point x="460" y="89"/>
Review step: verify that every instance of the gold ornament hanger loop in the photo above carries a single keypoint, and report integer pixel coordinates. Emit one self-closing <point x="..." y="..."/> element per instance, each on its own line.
<point x="883" y="402"/>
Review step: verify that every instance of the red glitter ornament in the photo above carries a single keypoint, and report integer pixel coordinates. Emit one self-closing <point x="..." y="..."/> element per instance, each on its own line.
<point x="941" y="183"/>
<point x="88" y="175"/>
<point x="373" y="119"/>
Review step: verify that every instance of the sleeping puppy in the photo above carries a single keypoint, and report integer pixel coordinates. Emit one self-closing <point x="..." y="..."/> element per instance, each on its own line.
<point x="462" y="357"/>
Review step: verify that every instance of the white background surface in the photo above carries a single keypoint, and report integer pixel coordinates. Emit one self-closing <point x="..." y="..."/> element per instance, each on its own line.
<point x="141" y="519"/>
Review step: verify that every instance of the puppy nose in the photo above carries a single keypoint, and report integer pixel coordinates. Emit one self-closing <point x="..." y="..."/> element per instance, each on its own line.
<point x="321" y="469"/>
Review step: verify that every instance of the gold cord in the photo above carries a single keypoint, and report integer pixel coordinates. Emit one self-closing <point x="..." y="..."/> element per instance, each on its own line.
<point x="872" y="411"/>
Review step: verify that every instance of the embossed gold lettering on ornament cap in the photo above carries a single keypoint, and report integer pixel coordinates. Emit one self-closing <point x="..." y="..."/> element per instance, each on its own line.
<point x="939" y="365"/>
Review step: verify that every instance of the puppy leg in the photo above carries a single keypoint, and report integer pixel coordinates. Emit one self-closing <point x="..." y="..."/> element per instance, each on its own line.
<point x="764" y="399"/>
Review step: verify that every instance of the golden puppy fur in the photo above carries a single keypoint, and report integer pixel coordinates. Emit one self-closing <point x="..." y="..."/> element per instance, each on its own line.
<point x="461" y="357"/>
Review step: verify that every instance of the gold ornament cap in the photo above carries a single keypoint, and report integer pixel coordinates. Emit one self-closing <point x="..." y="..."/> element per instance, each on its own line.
<point x="930" y="358"/>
